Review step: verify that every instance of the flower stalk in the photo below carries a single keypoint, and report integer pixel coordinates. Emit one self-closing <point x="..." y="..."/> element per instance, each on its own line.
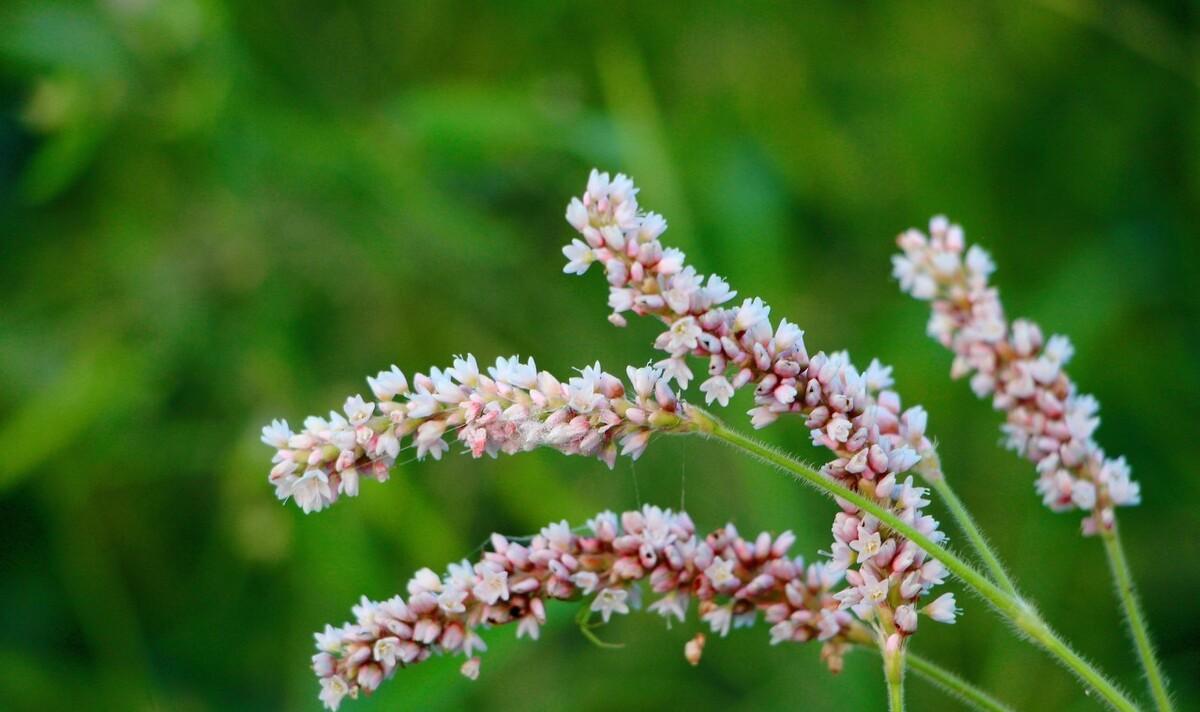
<point x="1136" y="621"/>
<point x="931" y="472"/>
<point x="954" y="685"/>
<point x="893" y="672"/>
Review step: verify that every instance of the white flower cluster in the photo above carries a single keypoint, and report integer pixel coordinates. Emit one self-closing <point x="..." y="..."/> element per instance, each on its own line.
<point x="732" y="579"/>
<point x="512" y="407"/>
<point x="1048" y="420"/>
<point x="852" y="413"/>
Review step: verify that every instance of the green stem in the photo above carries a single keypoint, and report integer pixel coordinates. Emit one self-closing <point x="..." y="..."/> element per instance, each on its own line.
<point x="893" y="672"/>
<point x="1134" y="618"/>
<point x="1015" y="609"/>
<point x="931" y="470"/>
<point x="955" y="685"/>
<point x="937" y="675"/>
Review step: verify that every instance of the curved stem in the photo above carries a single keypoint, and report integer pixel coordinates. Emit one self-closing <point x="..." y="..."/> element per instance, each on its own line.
<point x="1013" y="608"/>
<point x="955" y="685"/>
<point x="965" y="522"/>
<point x="1134" y="618"/>
<point x="937" y="675"/>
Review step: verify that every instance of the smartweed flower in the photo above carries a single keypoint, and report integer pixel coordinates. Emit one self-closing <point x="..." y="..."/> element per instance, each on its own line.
<point x="733" y="581"/>
<point x="511" y="408"/>
<point x="1048" y="420"/>
<point x="850" y="412"/>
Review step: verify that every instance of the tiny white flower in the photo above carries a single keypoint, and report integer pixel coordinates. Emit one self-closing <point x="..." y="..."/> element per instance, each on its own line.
<point x="492" y="585"/>
<point x="276" y="434"/>
<point x="386" y="385"/>
<point x="874" y="591"/>
<point x="717" y="388"/>
<point x="942" y="609"/>
<point x="866" y="545"/>
<point x="839" y="429"/>
<point x="386" y="650"/>
<point x="451" y="600"/>
<point x="460" y="575"/>
<point x="586" y="581"/>
<point x="424" y="580"/>
<point x="577" y="214"/>
<point x="782" y="632"/>
<point x="878" y="376"/>
<point x="333" y="689"/>
<point x="358" y="411"/>
<point x="604" y="524"/>
<point x="717" y="291"/>
<point x="388" y="444"/>
<point x="1083" y="494"/>
<point x="979" y="262"/>
<point x="720" y="573"/>
<point x="915" y="420"/>
<point x="1059" y="349"/>
<point x="683" y="290"/>
<point x="473" y="643"/>
<point x="720" y="619"/>
<point x="470" y="669"/>
<point x="512" y="371"/>
<point x="683" y="335"/>
<point x="558" y="535"/>
<point x="671" y="262"/>
<point x="312" y="491"/>
<point x="752" y="316"/>
<point x="906" y="618"/>
<point x="676" y="368"/>
<point x="643" y="380"/>
<point x="610" y="601"/>
<point x="634" y="444"/>
<point x="674" y="604"/>
<point x="582" y="395"/>
<point x="330" y="640"/>
<point x="529" y="627"/>
<point x="788" y="336"/>
<point x="465" y="370"/>
<point x="828" y="625"/>
<point x="579" y="257"/>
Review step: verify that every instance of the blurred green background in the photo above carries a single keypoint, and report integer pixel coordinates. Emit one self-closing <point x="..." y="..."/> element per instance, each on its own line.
<point x="217" y="213"/>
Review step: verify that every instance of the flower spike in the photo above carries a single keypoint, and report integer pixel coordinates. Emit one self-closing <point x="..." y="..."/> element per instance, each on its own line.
<point x="732" y="580"/>
<point x="1048" y="421"/>
<point x="511" y="408"/>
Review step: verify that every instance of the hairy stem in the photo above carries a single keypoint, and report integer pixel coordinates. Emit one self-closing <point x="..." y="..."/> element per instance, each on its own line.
<point x="893" y="671"/>
<point x="955" y="685"/>
<point x="1013" y="608"/>
<point x="952" y="684"/>
<point x="933" y="475"/>
<point x="1135" y="619"/>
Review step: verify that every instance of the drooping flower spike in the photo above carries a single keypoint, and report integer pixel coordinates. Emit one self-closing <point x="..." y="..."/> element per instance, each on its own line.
<point x="511" y="408"/>
<point x="732" y="580"/>
<point x="852" y="413"/>
<point x="1048" y="420"/>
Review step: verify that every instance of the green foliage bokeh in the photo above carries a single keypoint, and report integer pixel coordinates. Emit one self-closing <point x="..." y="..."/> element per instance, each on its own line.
<point x="217" y="213"/>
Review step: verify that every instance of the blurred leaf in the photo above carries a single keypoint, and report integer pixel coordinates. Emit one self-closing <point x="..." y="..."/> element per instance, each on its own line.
<point x="93" y="386"/>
